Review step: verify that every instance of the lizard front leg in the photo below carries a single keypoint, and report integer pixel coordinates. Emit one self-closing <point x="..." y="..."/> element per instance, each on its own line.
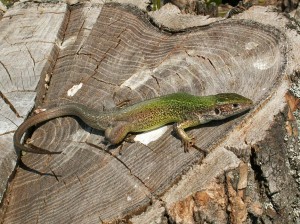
<point x="186" y="140"/>
<point x="117" y="132"/>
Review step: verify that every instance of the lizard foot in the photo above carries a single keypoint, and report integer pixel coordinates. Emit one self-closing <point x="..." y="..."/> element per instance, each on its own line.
<point x="129" y="138"/>
<point x="188" y="143"/>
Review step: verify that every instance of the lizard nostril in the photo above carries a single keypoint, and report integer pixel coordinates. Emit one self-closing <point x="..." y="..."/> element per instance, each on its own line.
<point x="217" y="111"/>
<point x="235" y="105"/>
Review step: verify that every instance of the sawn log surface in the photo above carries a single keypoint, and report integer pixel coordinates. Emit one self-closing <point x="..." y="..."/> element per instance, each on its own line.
<point x="109" y="55"/>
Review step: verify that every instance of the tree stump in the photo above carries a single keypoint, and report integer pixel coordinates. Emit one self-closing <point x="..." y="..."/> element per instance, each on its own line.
<point x="111" y="55"/>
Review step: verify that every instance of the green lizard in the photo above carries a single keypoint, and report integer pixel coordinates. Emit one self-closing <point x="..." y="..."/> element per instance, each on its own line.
<point x="183" y="109"/>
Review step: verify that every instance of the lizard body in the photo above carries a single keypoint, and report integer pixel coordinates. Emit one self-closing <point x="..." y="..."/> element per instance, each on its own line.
<point x="183" y="109"/>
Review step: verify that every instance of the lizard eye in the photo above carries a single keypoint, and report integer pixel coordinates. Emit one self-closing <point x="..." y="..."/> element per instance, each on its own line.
<point x="235" y="105"/>
<point x="217" y="111"/>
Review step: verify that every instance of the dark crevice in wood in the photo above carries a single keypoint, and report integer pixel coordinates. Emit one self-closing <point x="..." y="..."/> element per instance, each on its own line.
<point x="81" y="27"/>
<point x="125" y="219"/>
<point x="119" y="41"/>
<point x="254" y="219"/>
<point x="54" y="174"/>
<point x="212" y="64"/>
<point x="41" y="88"/>
<point x="165" y="214"/>
<point x="257" y="169"/>
<point x="197" y="218"/>
<point x="204" y="58"/>
<point x="156" y="80"/>
<point x="67" y="23"/>
<point x="31" y="58"/>
<point x="119" y="36"/>
<point x="262" y="180"/>
<point x="10" y="105"/>
<point x="78" y="52"/>
<point x="169" y="217"/>
<point x="293" y="23"/>
<point x="101" y="80"/>
<point x="176" y="73"/>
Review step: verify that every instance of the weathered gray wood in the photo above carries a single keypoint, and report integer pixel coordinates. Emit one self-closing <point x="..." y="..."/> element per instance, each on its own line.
<point x="113" y="54"/>
<point x="269" y="149"/>
<point x="169" y="16"/>
<point x="8" y="159"/>
<point x="26" y="52"/>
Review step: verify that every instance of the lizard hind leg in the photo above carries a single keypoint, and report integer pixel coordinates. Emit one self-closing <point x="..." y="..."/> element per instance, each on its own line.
<point x="116" y="133"/>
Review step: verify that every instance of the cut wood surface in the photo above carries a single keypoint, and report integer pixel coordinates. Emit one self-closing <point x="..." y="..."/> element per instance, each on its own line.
<point x="27" y="48"/>
<point x="111" y="55"/>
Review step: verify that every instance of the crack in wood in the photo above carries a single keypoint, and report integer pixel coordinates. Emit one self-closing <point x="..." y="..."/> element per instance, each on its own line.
<point x="212" y="64"/>
<point x="156" y="80"/>
<point x="262" y="180"/>
<point x="23" y="166"/>
<point x="56" y="56"/>
<point x="12" y="123"/>
<point x="119" y="36"/>
<point x="54" y="174"/>
<point x="105" y="82"/>
<point x="124" y="164"/>
<point x="11" y="106"/>
<point x="99" y="63"/>
<point x="157" y="42"/>
<point x="81" y="27"/>
<point x="204" y="58"/>
<point x="6" y="71"/>
<point x="31" y="58"/>
<point x="70" y="55"/>
<point x="179" y="76"/>
<point x="68" y="15"/>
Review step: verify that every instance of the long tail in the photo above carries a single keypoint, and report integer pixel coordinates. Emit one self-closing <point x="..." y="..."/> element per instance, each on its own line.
<point x="64" y="110"/>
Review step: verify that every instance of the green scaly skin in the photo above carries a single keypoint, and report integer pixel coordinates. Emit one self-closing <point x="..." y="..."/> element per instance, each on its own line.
<point x="182" y="109"/>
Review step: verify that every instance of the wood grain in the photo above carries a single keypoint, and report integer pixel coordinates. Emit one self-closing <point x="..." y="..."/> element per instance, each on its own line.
<point x="117" y="55"/>
<point x="27" y="51"/>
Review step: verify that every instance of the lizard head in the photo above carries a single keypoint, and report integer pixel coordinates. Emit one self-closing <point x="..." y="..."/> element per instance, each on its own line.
<point x="229" y="104"/>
